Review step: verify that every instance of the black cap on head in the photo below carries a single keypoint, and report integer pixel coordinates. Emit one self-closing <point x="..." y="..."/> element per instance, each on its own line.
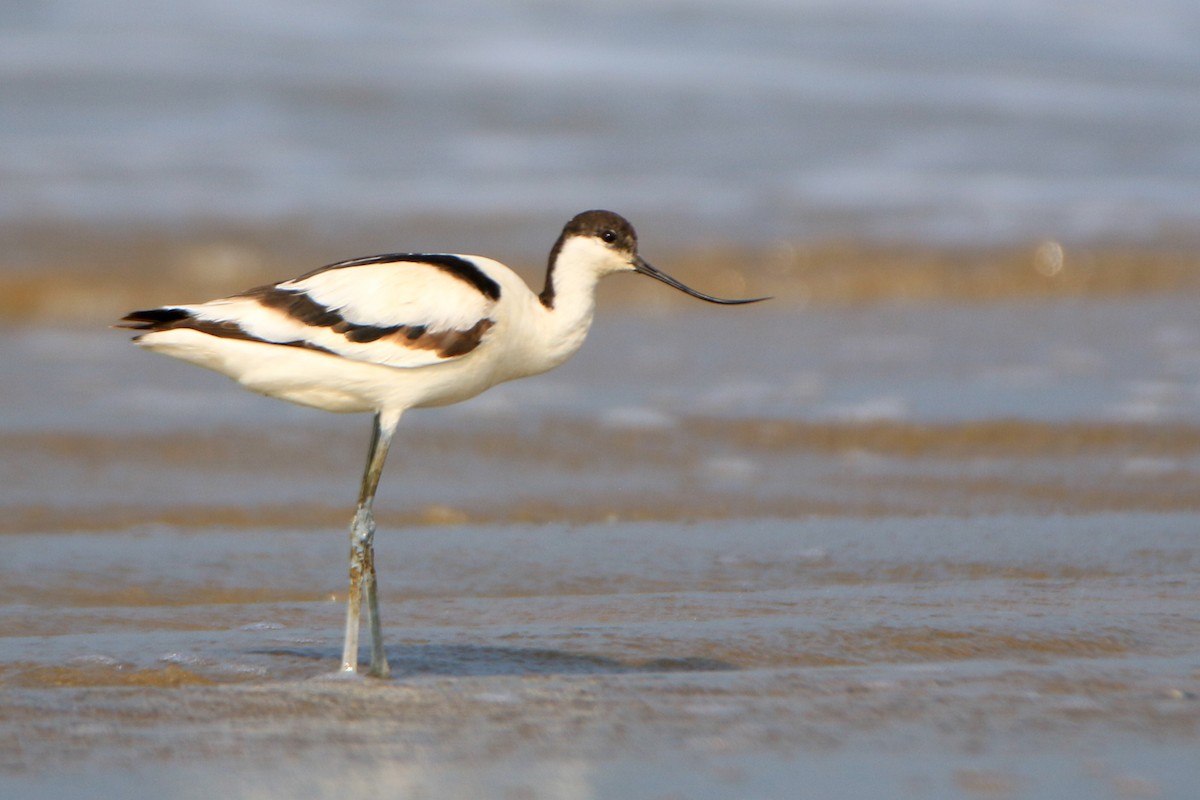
<point x="617" y="232"/>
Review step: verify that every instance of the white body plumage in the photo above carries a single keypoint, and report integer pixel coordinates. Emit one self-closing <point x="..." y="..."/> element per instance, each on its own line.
<point x="392" y="372"/>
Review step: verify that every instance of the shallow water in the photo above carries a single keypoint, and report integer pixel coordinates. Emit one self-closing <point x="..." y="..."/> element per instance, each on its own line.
<point x="615" y="660"/>
<point x="926" y="551"/>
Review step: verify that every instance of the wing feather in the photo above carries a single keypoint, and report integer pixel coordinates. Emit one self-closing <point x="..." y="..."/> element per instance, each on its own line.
<point x="402" y="310"/>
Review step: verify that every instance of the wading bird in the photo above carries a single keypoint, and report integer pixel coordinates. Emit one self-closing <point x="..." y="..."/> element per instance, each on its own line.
<point x="392" y="332"/>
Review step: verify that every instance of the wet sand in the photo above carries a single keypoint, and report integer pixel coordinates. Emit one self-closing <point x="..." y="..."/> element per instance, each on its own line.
<point x="926" y="550"/>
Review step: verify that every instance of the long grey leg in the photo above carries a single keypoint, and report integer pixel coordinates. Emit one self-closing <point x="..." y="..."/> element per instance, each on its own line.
<point x="362" y="554"/>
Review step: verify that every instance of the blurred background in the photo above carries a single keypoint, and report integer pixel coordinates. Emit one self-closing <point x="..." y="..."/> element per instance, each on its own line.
<point x="206" y="140"/>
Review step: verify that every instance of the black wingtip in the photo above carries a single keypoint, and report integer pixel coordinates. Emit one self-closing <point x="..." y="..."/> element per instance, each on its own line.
<point x="152" y="319"/>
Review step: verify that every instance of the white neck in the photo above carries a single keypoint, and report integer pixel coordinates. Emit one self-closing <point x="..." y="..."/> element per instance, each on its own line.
<point x="569" y="302"/>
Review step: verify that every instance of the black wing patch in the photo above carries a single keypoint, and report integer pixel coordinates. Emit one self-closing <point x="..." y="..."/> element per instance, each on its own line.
<point x="457" y="266"/>
<point x="152" y="319"/>
<point x="166" y="319"/>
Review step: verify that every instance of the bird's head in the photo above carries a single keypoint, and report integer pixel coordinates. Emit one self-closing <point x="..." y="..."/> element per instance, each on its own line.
<point x="604" y="243"/>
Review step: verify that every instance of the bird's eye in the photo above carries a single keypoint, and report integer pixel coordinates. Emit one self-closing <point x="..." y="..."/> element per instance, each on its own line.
<point x="609" y="236"/>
